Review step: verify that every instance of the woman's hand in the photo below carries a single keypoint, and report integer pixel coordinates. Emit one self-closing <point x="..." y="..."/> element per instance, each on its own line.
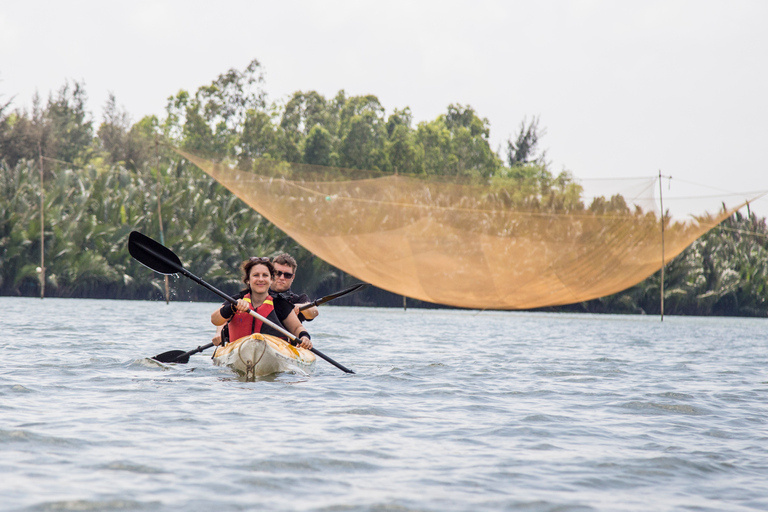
<point x="243" y="306"/>
<point x="216" y="339"/>
<point x="305" y="343"/>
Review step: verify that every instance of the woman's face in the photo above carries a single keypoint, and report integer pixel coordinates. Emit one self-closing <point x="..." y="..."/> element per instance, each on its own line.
<point x="259" y="279"/>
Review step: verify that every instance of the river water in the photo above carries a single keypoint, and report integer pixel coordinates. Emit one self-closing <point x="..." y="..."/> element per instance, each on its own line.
<point x="449" y="411"/>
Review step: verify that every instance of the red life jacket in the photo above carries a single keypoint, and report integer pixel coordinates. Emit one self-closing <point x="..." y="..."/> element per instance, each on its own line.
<point x="243" y="324"/>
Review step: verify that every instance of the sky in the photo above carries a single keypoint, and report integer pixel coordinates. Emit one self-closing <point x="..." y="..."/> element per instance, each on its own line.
<point x="623" y="89"/>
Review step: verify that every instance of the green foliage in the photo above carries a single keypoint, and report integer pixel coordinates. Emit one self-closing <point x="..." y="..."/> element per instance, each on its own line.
<point x="99" y="188"/>
<point x="362" y="134"/>
<point x="67" y="133"/>
<point x="456" y="144"/>
<point x="318" y="148"/>
<point x="304" y="111"/>
<point x="213" y="120"/>
<point x="89" y="213"/>
<point x="61" y="130"/>
<point x="121" y="143"/>
<point x="404" y="156"/>
<point x="260" y="139"/>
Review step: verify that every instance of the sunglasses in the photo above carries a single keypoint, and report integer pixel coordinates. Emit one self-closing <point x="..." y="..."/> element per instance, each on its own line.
<point x="255" y="259"/>
<point x="280" y="273"/>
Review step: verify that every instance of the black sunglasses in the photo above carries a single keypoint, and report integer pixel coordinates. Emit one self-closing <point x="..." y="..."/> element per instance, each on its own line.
<point x="256" y="259"/>
<point x="287" y="275"/>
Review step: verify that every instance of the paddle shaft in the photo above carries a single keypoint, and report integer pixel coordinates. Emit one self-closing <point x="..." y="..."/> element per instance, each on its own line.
<point x="333" y="296"/>
<point x="232" y="301"/>
<point x="193" y="352"/>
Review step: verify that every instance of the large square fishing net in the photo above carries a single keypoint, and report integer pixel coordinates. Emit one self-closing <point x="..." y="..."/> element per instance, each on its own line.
<point x="470" y="243"/>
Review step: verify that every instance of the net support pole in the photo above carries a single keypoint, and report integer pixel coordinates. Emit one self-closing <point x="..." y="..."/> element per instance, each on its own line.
<point x="661" y="202"/>
<point x="42" y="223"/>
<point x="160" y="217"/>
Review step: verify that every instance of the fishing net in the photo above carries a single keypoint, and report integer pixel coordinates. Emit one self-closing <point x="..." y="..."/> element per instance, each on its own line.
<point x="462" y="242"/>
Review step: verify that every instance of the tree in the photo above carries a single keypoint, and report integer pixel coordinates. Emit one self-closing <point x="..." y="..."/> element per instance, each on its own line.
<point x="113" y="131"/>
<point x="62" y="130"/>
<point x="67" y="132"/>
<point x="523" y="150"/>
<point x="213" y="120"/>
<point x="141" y="142"/>
<point x="362" y="134"/>
<point x="456" y="144"/>
<point x="260" y="138"/>
<point x="318" y="148"/>
<point x="403" y="153"/>
<point x="19" y="137"/>
<point x="308" y="109"/>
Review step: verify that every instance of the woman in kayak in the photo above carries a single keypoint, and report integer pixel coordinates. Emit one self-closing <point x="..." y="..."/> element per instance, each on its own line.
<point x="258" y="275"/>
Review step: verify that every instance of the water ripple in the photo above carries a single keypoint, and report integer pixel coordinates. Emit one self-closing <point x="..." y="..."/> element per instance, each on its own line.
<point x="510" y="411"/>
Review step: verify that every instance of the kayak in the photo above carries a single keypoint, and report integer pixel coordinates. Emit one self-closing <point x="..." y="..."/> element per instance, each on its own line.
<point x="261" y="354"/>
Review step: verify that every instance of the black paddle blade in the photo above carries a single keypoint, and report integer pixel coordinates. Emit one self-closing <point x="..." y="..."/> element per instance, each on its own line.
<point x="172" y="356"/>
<point x="153" y="254"/>
<point x="347" y="291"/>
<point x="334" y="296"/>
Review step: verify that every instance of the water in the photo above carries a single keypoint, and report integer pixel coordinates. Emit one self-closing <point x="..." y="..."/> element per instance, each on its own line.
<point x="448" y="411"/>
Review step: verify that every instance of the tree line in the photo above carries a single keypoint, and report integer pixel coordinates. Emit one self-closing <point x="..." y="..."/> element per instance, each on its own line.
<point x="103" y="180"/>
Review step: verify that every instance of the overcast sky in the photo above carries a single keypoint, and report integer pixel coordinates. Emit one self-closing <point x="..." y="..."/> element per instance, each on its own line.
<point x="624" y="89"/>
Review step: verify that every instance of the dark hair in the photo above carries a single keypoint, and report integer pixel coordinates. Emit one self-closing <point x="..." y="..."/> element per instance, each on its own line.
<point x="247" y="265"/>
<point x="285" y="259"/>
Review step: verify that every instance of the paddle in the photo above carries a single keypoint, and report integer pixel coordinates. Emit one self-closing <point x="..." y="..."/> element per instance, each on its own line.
<point x="179" y="356"/>
<point x="159" y="258"/>
<point x="334" y="296"/>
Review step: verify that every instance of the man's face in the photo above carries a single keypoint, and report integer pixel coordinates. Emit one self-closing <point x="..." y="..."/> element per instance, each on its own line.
<point x="281" y="282"/>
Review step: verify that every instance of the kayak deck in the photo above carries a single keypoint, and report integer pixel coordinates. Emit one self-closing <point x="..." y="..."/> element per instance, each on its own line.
<point x="261" y="354"/>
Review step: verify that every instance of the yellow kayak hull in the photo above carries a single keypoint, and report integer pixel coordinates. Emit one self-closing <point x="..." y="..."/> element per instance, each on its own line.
<point x="261" y="354"/>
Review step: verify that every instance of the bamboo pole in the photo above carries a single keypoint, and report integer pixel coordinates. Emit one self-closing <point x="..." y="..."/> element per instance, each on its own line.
<point x="160" y="217"/>
<point x="661" y="202"/>
<point x="42" y="223"/>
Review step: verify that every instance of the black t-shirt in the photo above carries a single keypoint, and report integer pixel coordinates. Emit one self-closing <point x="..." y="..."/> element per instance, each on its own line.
<point x="294" y="299"/>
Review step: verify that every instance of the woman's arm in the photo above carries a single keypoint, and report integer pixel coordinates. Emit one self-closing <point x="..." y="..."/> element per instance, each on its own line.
<point x="292" y="325"/>
<point x="217" y="318"/>
<point x="225" y="312"/>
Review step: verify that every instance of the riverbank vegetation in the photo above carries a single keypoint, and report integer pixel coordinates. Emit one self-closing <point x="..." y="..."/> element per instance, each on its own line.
<point x="102" y="180"/>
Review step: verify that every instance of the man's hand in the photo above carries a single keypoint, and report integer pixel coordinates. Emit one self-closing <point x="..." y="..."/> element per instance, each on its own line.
<point x="309" y="314"/>
<point x="217" y="339"/>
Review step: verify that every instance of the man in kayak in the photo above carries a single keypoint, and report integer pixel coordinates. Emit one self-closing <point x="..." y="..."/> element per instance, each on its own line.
<point x="258" y="275"/>
<point x="285" y="273"/>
